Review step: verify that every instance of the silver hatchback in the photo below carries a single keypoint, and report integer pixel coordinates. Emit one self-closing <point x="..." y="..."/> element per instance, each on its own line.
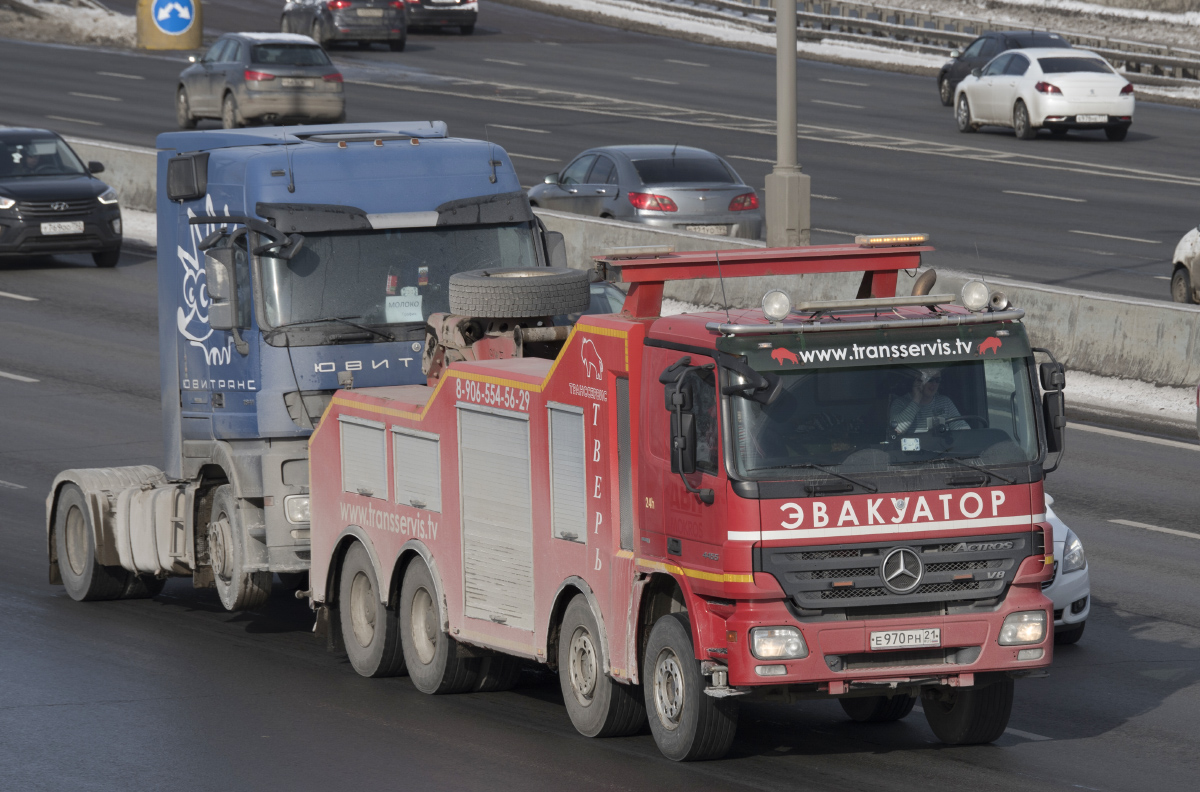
<point x="272" y="78"/>
<point x="675" y="187"/>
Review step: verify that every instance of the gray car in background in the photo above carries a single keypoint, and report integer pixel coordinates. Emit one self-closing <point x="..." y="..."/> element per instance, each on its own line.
<point x="352" y="21"/>
<point x="675" y="187"/>
<point x="270" y="78"/>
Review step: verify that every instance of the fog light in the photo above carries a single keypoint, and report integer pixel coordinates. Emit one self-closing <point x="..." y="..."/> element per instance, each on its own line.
<point x="1031" y="654"/>
<point x="777" y="643"/>
<point x="1026" y="627"/>
<point x="776" y="305"/>
<point x="975" y="295"/>
<point x="1078" y="605"/>
<point x="296" y="509"/>
<point x="771" y="670"/>
<point x="116" y="226"/>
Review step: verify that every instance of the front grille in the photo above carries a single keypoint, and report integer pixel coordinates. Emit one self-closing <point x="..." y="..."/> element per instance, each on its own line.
<point x="841" y="577"/>
<point x="46" y="208"/>
<point x="1050" y="582"/>
<point x="904" y="659"/>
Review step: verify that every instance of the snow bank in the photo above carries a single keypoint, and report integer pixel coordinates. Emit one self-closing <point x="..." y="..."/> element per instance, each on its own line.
<point x="72" y="23"/>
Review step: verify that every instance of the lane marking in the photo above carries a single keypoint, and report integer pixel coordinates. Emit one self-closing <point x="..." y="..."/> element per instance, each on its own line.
<point x="837" y="104"/>
<point x="845" y="82"/>
<point x="1162" y="277"/>
<point x="687" y="63"/>
<point x="74" y="120"/>
<point x="531" y="157"/>
<point x="1097" y="252"/>
<point x="521" y="129"/>
<point x="16" y="377"/>
<point x="834" y="231"/>
<point x="1149" y="527"/>
<point x="1014" y="732"/>
<point x="10" y="485"/>
<point x="1132" y="436"/>
<point x="824" y="197"/>
<point x="750" y="159"/>
<point x="505" y="62"/>
<point x="122" y="76"/>
<point x="1114" y="236"/>
<point x="1042" y="195"/>
<point x="653" y="80"/>
<point x="94" y="96"/>
<point x="12" y="296"/>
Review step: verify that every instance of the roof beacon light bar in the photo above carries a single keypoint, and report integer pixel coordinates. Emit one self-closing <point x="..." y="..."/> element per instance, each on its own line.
<point x="890" y="240"/>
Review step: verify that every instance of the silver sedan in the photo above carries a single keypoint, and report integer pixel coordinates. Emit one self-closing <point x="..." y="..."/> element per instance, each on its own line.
<point x="675" y="187"/>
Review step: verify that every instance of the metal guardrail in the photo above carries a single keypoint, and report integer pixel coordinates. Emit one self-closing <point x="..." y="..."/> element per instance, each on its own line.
<point x="934" y="33"/>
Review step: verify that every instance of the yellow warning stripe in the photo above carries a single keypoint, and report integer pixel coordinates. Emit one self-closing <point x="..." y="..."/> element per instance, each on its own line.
<point x="715" y="577"/>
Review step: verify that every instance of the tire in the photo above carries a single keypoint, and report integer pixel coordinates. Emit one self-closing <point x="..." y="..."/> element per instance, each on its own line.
<point x="598" y="705"/>
<point x="1021" y="123"/>
<point x="687" y="724"/>
<point x="107" y="258"/>
<point x="1116" y="134"/>
<point x="516" y="293"/>
<point x="878" y="709"/>
<point x="183" y="110"/>
<point x="84" y="578"/>
<point x="142" y="586"/>
<point x="1070" y="635"/>
<point x="432" y="657"/>
<point x="239" y="590"/>
<point x="969" y="716"/>
<point x="497" y="673"/>
<point x="945" y="91"/>
<point x="230" y="117"/>
<point x="962" y="115"/>
<point x="397" y="45"/>
<point x="370" y="629"/>
<point x="1181" y="286"/>
<point x="466" y="30"/>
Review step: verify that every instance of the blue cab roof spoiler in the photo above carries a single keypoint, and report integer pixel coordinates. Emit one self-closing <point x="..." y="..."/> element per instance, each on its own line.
<point x="208" y="139"/>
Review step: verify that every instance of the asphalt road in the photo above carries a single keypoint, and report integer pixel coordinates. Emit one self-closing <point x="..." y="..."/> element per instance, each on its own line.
<point x="882" y="152"/>
<point x="175" y="692"/>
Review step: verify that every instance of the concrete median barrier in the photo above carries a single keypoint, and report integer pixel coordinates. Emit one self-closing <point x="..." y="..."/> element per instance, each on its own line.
<point x="130" y="170"/>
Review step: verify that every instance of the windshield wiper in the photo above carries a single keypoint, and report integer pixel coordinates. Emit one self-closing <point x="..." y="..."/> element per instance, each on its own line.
<point x="823" y="469"/>
<point x="957" y="461"/>
<point x="343" y="319"/>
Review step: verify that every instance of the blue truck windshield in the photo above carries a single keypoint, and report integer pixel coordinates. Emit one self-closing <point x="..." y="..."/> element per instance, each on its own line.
<point x="393" y="277"/>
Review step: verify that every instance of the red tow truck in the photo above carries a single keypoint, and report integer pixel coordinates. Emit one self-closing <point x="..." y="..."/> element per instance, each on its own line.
<point x="827" y="499"/>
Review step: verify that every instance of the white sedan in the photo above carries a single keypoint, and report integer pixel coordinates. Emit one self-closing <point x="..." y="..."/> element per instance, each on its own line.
<point x="1040" y="88"/>
<point x="1070" y="589"/>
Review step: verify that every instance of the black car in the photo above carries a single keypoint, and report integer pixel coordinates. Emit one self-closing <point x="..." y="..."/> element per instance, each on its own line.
<point x="361" y="21"/>
<point x="51" y="203"/>
<point x="461" y="14"/>
<point x="983" y="49"/>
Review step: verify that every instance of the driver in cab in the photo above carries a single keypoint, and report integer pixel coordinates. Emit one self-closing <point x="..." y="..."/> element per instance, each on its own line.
<point x="923" y="408"/>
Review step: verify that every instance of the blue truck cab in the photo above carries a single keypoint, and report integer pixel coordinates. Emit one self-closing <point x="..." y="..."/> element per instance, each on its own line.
<point x="291" y="262"/>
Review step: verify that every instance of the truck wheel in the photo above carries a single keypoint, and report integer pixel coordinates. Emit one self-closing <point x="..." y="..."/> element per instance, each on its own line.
<point x="370" y="629"/>
<point x="75" y="543"/>
<point x="1070" y="635"/>
<point x="878" y="709"/>
<point x="497" y="673"/>
<point x="239" y="590"/>
<point x="687" y="724"/>
<point x="142" y="586"/>
<point x="969" y="716"/>
<point x="432" y="656"/>
<point x="519" y="292"/>
<point x="1181" y="286"/>
<point x="599" y="706"/>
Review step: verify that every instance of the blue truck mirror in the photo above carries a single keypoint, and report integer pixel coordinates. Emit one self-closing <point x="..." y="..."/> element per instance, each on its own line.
<point x="218" y="273"/>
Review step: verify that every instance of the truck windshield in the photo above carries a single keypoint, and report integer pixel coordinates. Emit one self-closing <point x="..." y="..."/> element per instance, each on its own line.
<point x="964" y="409"/>
<point x="392" y="277"/>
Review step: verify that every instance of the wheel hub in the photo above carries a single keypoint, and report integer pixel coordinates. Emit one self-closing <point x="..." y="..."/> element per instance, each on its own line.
<point x="219" y="542"/>
<point x="76" y="538"/>
<point x="583" y="666"/>
<point x="668" y="689"/>
<point x="362" y="609"/>
<point x="424" y="626"/>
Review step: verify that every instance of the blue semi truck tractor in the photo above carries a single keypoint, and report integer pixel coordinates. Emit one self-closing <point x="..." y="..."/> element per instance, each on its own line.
<point x="291" y="262"/>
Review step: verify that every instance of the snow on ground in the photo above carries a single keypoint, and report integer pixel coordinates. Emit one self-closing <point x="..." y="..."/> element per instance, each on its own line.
<point x="140" y="227"/>
<point x="75" y="23"/>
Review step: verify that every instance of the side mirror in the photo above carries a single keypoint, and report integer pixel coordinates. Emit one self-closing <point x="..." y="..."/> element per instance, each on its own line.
<point x="1053" y="376"/>
<point x="683" y="442"/>
<point x="95" y="167"/>
<point x="976" y="72"/>
<point x="556" y="249"/>
<point x="1054" y="413"/>
<point x="550" y="178"/>
<point x="222" y="292"/>
<point x="955" y="54"/>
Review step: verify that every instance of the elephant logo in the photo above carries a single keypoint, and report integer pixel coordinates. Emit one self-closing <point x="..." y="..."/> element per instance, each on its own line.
<point x="593" y="364"/>
<point x="781" y="354"/>
<point x="991" y="343"/>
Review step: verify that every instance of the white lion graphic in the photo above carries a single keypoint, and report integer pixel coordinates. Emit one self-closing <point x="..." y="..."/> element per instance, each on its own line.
<point x="192" y="317"/>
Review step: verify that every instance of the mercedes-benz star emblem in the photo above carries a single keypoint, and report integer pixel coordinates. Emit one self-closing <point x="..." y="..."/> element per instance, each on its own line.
<point x="60" y="206"/>
<point x="901" y="570"/>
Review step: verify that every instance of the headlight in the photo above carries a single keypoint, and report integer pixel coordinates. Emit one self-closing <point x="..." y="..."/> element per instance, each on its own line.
<point x="296" y="509"/>
<point x="777" y="643"/>
<point x="1026" y="627"/>
<point x="109" y="196"/>
<point x="7" y="203"/>
<point x="1073" y="557"/>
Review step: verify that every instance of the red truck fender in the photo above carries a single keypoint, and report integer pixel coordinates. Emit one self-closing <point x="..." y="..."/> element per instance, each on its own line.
<point x="568" y="589"/>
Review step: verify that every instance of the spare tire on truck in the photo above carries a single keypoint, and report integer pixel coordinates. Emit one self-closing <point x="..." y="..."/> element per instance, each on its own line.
<point x="519" y="292"/>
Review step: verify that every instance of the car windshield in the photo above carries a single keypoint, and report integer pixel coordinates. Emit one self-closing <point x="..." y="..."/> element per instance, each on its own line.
<point x="682" y="170"/>
<point x="912" y="401"/>
<point x="34" y="155"/>
<point x="1067" y="65"/>
<point x="288" y="55"/>
<point x="393" y="277"/>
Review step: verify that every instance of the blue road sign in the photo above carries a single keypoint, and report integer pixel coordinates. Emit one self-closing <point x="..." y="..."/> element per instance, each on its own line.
<point x="173" y="17"/>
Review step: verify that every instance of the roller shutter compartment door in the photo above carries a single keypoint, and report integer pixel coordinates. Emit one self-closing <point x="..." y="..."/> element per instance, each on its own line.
<point x="364" y="457"/>
<point x="568" y="477"/>
<point x="418" y="469"/>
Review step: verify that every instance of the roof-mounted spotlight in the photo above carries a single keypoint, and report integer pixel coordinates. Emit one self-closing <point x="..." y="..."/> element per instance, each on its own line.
<point x="776" y="305"/>
<point x="975" y="295"/>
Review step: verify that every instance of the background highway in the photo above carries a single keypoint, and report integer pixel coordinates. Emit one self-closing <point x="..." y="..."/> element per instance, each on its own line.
<point x="175" y="692"/>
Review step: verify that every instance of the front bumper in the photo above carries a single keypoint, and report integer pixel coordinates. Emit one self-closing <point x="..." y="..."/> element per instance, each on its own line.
<point x="1071" y="594"/>
<point x="22" y="236"/>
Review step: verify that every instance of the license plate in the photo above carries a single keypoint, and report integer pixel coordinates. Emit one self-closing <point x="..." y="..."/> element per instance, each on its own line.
<point x="904" y="639"/>
<point x="51" y="229"/>
<point x="1091" y="119"/>
<point x="296" y="82"/>
<point x="711" y="230"/>
<point x="370" y="12"/>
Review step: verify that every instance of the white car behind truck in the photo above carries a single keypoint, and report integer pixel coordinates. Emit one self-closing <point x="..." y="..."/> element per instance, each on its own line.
<point x="1069" y="589"/>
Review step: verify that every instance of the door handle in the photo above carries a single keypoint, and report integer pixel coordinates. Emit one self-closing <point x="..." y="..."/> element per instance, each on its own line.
<point x="601" y="191"/>
<point x="573" y="191"/>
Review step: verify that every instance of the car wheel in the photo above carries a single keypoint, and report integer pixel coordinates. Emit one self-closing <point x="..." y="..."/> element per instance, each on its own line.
<point x="230" y="117"/>
<point x="107" y="258"/>
<point x="183" y="110"/>
<point x="466" y="30"/>
<point x="1021" y="123"/>
<point x="962" y="115"/>
<point x="1070" y="635"/>
<point x="397" y="45"/>
<point x="945" y="91"/>
<point x="1116" y="133"/>
<point x="1181" y="286"/>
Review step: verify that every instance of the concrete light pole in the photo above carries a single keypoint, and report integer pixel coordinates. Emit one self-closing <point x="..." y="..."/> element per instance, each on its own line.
<point x="788" y="217"/>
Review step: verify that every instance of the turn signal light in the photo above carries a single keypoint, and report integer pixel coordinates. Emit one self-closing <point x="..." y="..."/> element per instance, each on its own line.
<point x="658" y="203"/>
<point x="1128" y="89"/>
<point x="335" y="77"/>
<point x="257" y="76"/>
<point x="744" y="202"/>
<point x="1047" y="88"/>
